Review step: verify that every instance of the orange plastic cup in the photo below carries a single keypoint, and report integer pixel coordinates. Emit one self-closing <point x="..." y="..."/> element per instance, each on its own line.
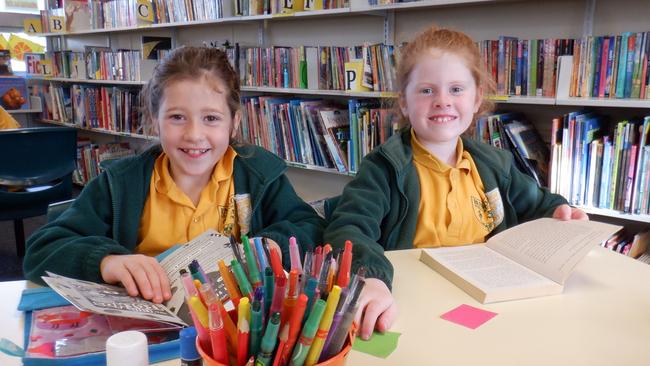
<point x="338" y="360"/>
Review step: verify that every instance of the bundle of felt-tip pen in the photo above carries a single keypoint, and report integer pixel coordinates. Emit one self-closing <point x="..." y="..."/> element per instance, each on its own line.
<point x="303" y="319"/>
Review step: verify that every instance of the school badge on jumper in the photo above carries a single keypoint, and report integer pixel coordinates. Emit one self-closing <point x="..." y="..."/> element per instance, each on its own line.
<point x="496" y="206"/>
<point x="243" y="203"/>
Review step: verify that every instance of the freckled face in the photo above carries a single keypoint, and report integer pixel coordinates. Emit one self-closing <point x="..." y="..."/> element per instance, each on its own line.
<point x="441" y="98"/>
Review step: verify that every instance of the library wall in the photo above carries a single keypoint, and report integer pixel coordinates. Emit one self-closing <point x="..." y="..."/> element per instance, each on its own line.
<point x="482" y="20"/>
<point x="522" y="19"/>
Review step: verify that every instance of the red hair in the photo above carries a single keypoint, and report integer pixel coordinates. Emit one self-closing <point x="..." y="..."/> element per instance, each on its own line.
<point x="445" y="40"/>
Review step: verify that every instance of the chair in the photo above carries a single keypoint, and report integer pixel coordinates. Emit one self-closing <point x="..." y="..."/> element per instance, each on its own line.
<point x="54" y="210"/>
<point x="36" y="166"/>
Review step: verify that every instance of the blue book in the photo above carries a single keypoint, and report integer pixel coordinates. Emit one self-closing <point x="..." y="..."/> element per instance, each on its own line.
<point x="353" y="105"/>
<point x="298" y="131"/>
<point x="603" y="201"/>
<point x="524" y="69"/>
<point x="590" y="132"/>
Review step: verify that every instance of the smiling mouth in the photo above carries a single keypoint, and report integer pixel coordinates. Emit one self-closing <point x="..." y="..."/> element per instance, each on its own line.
<point x="194" y="152"/>
<point x="442" y="119"/>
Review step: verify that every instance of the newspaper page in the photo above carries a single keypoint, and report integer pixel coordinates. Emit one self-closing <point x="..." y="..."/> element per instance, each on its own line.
<point x="108" y="300"/>
<point x="207" y="248"/>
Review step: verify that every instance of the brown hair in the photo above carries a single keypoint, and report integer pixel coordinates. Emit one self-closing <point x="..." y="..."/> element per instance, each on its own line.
<point x="451" y="41"/>
<point x="189" y="63"/>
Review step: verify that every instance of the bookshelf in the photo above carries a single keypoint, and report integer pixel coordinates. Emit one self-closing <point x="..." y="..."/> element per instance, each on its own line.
<point x="393" y="24"/>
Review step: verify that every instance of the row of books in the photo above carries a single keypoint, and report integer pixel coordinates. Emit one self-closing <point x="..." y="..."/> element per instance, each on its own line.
<point x="96" y="63"/>
<point x="517" y="67"/>
<point x="82" y="15"/>
<point x="106" y="108"/>
<point x="312" y="67"/>
<point x="593" y="166"/>
<point x="630" y="244"/>
<point x="90" y="156"/>
<point x="260" y="7"/>
<point x="513" y="132"/>
<point x="316" y="132"/>
<point x="612" y="66"/>
<point x="524" y="67"/>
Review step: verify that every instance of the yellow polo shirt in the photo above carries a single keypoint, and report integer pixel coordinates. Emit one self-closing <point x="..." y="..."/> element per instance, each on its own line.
<point x="170" y="217"/>
<point x="453" y="209"/>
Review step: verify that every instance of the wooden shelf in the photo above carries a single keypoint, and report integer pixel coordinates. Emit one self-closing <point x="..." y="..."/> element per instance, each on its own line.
<point x="98" y="130"/>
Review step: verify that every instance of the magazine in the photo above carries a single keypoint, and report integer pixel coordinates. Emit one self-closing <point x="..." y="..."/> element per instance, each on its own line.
<point x="208" y="248"/>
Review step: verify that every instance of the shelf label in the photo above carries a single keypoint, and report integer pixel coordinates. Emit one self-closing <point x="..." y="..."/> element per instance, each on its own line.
<point x="145" y="12"/>
<point x="57" y="24"/>
<point x="503" y="98"/>
<point x="32" y="25"/>
<point x="280" y="15"/>
<point x="387" y="94"/>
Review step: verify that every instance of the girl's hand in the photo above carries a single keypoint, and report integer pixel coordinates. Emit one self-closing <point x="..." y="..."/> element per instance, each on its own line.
<point x="377" y="308"/>
<point x="139" y="274"/>
<point x="566" y="212"/>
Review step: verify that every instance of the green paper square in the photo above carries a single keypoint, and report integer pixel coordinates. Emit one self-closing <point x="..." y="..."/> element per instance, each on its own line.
<point x="379" y="345"/>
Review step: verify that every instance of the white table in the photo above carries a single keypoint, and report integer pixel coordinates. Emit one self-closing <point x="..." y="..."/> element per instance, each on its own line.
<point x="602" y="318"/>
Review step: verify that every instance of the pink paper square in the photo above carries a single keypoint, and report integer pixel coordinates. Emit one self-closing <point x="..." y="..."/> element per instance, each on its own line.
<point x="468" y="316"/>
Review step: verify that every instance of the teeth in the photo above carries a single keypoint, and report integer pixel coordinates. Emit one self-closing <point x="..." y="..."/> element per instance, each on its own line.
<point x="195" y="151"/>
<point x="441" y="119"/>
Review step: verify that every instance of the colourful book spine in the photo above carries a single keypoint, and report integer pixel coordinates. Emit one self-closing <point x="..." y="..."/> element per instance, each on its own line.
<point x="629" y="65"/>
<point x="609" y="65"/>
<point x="639" y="52"/>
<point x="605" y="173"/>
<point x="645" y="198"/>
<point x="616" y="157"/>
<point x="604" y="52"/>
<point x="532" y="67"/>
<point x="629" y="181"/>
<point x="596" y="62"/>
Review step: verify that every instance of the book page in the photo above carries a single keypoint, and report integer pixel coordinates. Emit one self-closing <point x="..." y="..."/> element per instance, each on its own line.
<point x="485" y="268"/>
<point x="108" y="300"/>
<point x="207" y="248"/>
<point x="551" y="247"/>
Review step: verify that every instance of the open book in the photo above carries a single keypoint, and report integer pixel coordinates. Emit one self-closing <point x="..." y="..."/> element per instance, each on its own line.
<point x="207" y="248"/>
<point x="529" y="260"/>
